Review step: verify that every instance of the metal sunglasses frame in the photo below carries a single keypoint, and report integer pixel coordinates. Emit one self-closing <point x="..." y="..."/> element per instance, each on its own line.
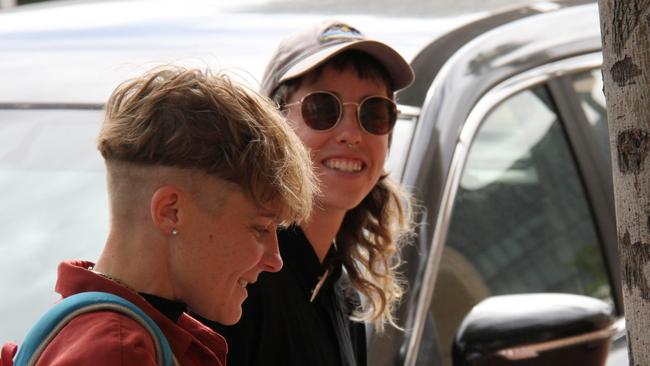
<point x="342" y="105"/>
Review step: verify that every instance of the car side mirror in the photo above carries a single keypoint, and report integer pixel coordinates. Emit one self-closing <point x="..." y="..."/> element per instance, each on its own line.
<point x="535" y="329"/>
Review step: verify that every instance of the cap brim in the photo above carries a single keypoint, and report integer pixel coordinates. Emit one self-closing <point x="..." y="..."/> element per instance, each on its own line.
<point x="398" y="69"/>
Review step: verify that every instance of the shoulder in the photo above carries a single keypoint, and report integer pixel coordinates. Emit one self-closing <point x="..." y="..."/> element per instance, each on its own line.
<point x="101" y="338"/>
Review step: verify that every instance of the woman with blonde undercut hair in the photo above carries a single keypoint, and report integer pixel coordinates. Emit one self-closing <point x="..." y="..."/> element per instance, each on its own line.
<point x="201" y="172"/>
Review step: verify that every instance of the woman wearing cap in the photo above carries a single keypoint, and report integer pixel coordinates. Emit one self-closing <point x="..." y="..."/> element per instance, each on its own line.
<point x="336" y="88"/>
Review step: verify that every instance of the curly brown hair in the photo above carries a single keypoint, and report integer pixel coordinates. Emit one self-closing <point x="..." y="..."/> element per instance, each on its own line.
<point x="371" y="233"/>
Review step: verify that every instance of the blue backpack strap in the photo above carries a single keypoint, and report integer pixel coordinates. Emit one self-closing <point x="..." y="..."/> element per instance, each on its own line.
<point x="49" y="325"/>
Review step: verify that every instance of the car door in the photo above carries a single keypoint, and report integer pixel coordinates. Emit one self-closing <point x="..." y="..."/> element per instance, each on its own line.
<point x="531" y="209"/>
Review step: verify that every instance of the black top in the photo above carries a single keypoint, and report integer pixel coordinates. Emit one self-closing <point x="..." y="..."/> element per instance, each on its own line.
<point x="280" y="326"/>
<point x="171" y="309"/>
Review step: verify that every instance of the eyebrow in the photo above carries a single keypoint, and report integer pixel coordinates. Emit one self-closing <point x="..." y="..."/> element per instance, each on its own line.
<point x="338" y="95"/>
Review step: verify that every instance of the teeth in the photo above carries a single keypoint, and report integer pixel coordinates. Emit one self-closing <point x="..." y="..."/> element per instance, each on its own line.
<point x="242" y="282"/>
<point x="350" y="166"/>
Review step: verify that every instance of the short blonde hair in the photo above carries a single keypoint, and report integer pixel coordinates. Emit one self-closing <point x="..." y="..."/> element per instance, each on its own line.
<point x="190" y="119"/>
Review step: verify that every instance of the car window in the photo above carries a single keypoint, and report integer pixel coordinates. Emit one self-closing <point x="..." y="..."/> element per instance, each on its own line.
<point x="400" y="141"/>
<point x="589" y="87"/>
<point x="521" y="221"/>
<point x="54" y="206"/>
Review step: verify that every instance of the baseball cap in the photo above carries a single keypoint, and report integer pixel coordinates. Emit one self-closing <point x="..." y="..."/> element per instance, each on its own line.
<point x="304" y="51"/>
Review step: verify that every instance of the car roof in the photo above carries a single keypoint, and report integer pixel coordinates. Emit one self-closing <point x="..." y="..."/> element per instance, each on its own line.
<point x="429" y="60"/>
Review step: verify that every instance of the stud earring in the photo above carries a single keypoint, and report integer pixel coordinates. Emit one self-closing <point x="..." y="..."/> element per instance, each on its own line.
<point x="174" y="232"/>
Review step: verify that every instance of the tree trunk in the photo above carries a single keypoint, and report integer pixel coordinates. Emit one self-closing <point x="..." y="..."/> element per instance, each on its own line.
<point x="626" y="61"/>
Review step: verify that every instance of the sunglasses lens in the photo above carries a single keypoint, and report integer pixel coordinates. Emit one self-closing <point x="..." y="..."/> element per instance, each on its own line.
<point x="320" y="111"/>
<point x="378" y="115"/>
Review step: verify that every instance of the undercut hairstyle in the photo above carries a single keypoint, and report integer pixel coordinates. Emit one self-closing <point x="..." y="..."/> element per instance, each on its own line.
<point x="372" y="233"/>
<point x="196" y="120"/>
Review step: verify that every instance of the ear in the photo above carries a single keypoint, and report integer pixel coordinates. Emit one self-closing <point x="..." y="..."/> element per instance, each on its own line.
<point x="165" y="208"/>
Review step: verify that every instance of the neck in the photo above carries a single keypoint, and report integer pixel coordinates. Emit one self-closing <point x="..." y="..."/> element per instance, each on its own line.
<point x="322" y="229"/>
<point x="125" y="259"/>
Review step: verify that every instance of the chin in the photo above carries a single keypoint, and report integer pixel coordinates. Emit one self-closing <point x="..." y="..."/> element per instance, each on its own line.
<point x="345" y="198"/>
<point x="346" y="203"/>
<point x="229" y="319"/>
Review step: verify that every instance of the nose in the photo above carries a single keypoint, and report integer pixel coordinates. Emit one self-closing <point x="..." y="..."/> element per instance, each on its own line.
<point x="271" y="260"/>
<point x="349" y="130"/>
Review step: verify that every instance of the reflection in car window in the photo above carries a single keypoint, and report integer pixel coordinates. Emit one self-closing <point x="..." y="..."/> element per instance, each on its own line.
<point x="54" y="206"/>
<point x="400" y="141"/>
<point x="521" y="222"/>
<point x="589" y="87"/>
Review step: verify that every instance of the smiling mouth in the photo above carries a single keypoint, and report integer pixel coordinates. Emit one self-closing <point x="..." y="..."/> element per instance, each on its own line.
<point x="242" y="282"/>
<point x="344" y="165"/>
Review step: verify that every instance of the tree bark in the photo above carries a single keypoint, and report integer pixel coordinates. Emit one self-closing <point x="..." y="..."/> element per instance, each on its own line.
<point x="626" y="62"/>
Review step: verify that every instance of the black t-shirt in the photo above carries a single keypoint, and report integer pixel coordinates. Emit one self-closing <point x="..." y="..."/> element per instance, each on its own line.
<point x="279" y="324"/>
<point x="171" y="309"/>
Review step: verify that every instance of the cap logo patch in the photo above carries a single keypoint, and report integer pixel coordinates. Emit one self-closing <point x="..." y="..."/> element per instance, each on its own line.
<point x="339" y="32"/>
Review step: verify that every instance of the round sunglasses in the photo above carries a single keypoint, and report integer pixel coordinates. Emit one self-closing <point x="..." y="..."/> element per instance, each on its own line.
<point x="322" y="111"/>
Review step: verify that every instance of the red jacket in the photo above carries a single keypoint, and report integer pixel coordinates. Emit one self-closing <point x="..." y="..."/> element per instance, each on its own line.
<point x="108" y="338"/>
